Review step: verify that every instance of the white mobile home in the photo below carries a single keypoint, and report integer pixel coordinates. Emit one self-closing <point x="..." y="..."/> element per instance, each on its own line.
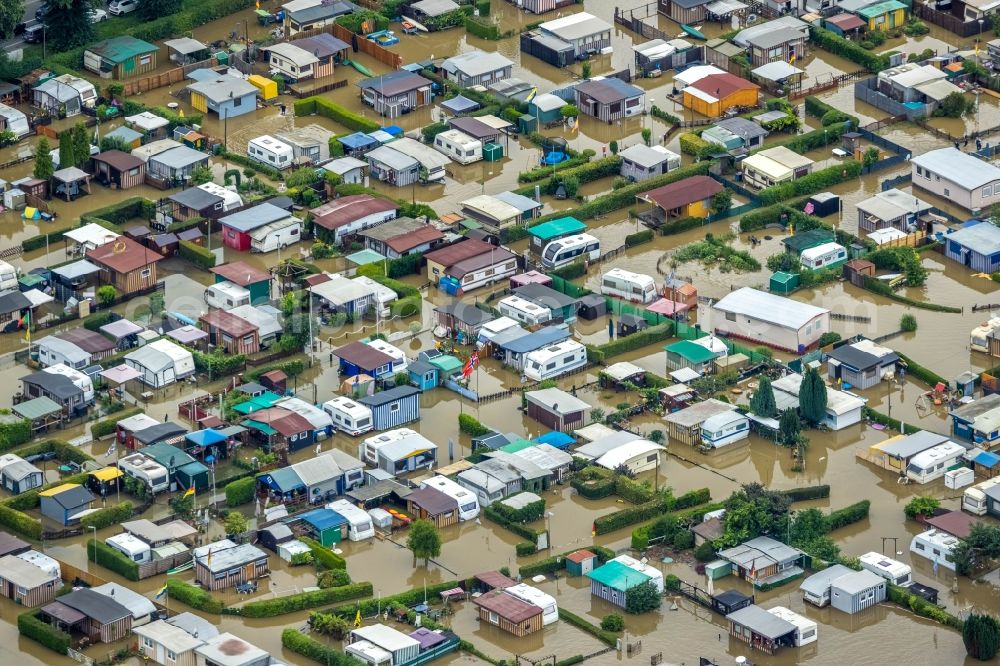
<point x="468" y="504"/>
<point x="535" y="597"/>
<point x="368" y="449"/>
<point x="892" y="570"/>
<point x="398" y="356"/>
<point x="459" y="146"/>
<point x="975" y="499"/>
<point x="764" y="318"/>
<point x="936" y="546"/>
<point x="226" y="296"/>
<point x="724" y="429"/>
<point x="823" y="256"/>
<point x="359" y="523"/>
<point x="149" y="472"/>
<point x="553" y="361"/>
<point x="582" y="247"/>
<point x="80" y="380"/>
<point x="630" y="286"/>
<point x="320" y="421"/>
<point x="53" y="351"/>
<point x="276" y="235"/>
<point x="268" y="150"/>
<point x="816" y="588"/>
<point x="805" y="629"/>
<point x="135" y="549"/>
<point x="349" y="416"/>
<point x="14" y="121"/>
<point x="431" y="161"/>
<point x="934" y="462"/>
<point x="523" y="310"/>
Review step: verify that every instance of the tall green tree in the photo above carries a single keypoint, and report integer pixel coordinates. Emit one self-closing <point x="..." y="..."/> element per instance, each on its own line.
<point x="751" y="512"/>
<point x="153" y="9"/>
<point x="643" y="598"/>
<point x="81" y="144"/>
<point x="789" y="427"/>
<point x="11" y="12"/>
<point x="67" y="24"/>
<point x="43" y="160"/>
<point x="67" y="149"/>
<point x="424" y="540"/>
<point x="762" y="403"/>
<point x="812" y="397"/>
<point x="981" y="635"/>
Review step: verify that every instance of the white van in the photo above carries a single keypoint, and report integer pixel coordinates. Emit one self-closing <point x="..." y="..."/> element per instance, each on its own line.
<point x="398" y="356"/>
<point x="8" y="276"/>
<point x="630" y="286"/>
<point x="268" y="150"/>
<point x="468" y="504"/>
<point x="974" y="499"/>
<point x="724" y="429"/>
<point x="142" y="468"/>
<point x="931" y="464"/>
<point x="892" y="570"/>
<point x="226" y="296"/>
<point x="459" y="146"/>
<point x="822" y="256"/>
<point x="569" y="249"/>
<point x="131" y="547"/>
<point x="555" y="360"/>
<point x="359" y="523"/>
<point x="524" y="310"/>
<point x="351" y="417"/>
<point x="276" y="235"/>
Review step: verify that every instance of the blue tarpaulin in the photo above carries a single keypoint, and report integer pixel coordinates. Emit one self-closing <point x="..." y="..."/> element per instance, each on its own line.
<point x="357" y="141"/>
<point x="323" y="519"/>
<point x="206" y="437"/>
<point x="283" y="480"/>
<point x="460" y="104"/>
<point x="560" y="440"/>
<point x="394" y="130"/>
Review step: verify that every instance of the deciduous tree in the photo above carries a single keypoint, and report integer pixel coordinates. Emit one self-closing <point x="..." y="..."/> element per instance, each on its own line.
<point x="11" y="12"/>
<point x="153" y="9"/>
<point x="67" y="24"/>
<point x="424" y="540"/>
<point x="642" y="598"/>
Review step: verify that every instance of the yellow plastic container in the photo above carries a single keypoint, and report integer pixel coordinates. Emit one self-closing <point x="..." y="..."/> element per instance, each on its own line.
<point x="268" y="88"/>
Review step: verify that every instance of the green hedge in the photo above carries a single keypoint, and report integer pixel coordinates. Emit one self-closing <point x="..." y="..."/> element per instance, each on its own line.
<point x="468" y="424"/>
<point x="107" y="517"/>
<point x="606" y="637"/>
<point x="814" y="182"/>
<point x="818" y="138"/>
<point x="639" y="238"/>
<point x="848" y="515"/>
<point x="588" y="172"/>
<point x="633" y="491"/>
<point x="218" y="363"/>
<point x="485" y="28"/>
<point x="528" y="513"/>
<point x="369" y="607"/>
<point x="649" y="336"/>
<point x="301" y="601"/>
<point x="325" y="558"/>
<point x="879" y="417"/>
<point x="14" y="432"/>
<point x="692" y="144"/>
<point x="529" y="533"/>
<point x="111" y="559"/>
<point x="817" y="108"/>
<point x="121" y="212"/>
<point x="570" y="271"/>
<point x="323" y="107"/>
<point x="556" y="562"/>
<point x="195" y="597"/>
<point x="20" y="523"/>
<point x="845" y="48"/>
<point x="31" y="626"/>
<point x="310" y="648"/>
<point x="291" y="368"/>
<point x="594" y="482"/>
<point x="666" y="503"/>
<point x="680" y="225"/>
<point x="807" y="493"/>
<point x="241" y="491"/>
<point x="196" y="254"/>
<point x="543" y="172"/>
<point x="98" y="319"/>
<point x="914" y="369"/>
<point x="109" y="425"/>
<point x="879" y="287"/>
<point x="922" y="607"/>
<point x="38" y="242"/>
<point x="64" y="452"/>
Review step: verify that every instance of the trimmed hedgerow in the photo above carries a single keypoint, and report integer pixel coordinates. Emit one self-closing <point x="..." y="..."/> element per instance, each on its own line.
<point x="111" y="559"/>
<point x="310" y="648"/>
<point x="325" y="558"/>
<point x="195" y="597"/>
<point x="649" y="336"/>
<point x="30" y="625"/>
<point x="240" y="491"/>
<point x="324" y="107"/>
<point x="301" y="601"/>
<point x="196" y="254"/>
<point x="606" y="637"/>
<point x="107" y="517"/>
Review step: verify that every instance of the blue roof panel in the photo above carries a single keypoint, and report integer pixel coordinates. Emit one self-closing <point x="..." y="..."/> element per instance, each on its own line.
<point x="560" y="440"/>
<point x="357" y="141"/>
<point x="324" y="519"/>
<point x="536" y="340"/>
<point x="206" y="437"/>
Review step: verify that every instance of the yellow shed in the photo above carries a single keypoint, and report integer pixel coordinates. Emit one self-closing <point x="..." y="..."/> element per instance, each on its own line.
<point x="268" y="88"/>
<point x="886" y="15"/>
<point x="715" y="94"/>
<point x="199" y="102"/>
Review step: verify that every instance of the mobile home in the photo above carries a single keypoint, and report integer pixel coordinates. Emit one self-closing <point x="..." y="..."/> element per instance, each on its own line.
<point x="523" y="310"/>
<point x="349" y="416"/>
<point x="630" y="286"/>
<point x="276" y="235"/>
<point x="827" y="255"/>
<point x="149" y="472"/>
<point x="535" y="597"/>
<point x="975" y="499"/>
<point x="359" y="523"/>
<point x="569" y="249"/>
<point x="934" y="462"/>
<point x="936" y="546"/>
<point x="468" y="505"/>
<point x="226" y="296"/>
<point x="268" y="150"/>
<point x="555" y="360"/>
<point x="892" y="570"/>
<point x="724" y="429"/>
<point x="805" y="629"/>
<point x="135" y="549"/>
<point x="459" y="146"/>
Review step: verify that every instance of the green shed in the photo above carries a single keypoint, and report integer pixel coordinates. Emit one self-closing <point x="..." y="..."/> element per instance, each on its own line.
<point x="527" y="124"/>
<point x="492" y="152"/>
<point x="783" y="283"/>
<point x="545" y="233"/>
<point x="796" y="243"/>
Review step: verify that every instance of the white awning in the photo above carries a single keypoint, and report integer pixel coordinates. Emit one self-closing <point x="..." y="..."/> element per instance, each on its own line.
<point x="776" y="71"/>
<point x="723" y="7"/>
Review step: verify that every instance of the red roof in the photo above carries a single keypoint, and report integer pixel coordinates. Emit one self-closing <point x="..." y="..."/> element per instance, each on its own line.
<point x="581" y="556"/>
<point x="723" y="85"/>
<point x="683" y="192"/>
<point x="456" y="252"/>
<point x="241" y="273"/>
<point x="955" y="523"/>
<point x="845" y="22"/>
<point x="229" y="323"/>
<point x="507" y="606"/>
<point x="416" y="238"/>
<point x="318" y="278"/>
<point x="123" y="255"/>
<point x="287" y="423"/>
<point x="345" y="210"/>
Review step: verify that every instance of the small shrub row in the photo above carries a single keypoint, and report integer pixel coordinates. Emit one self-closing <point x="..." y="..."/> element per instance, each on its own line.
<point x="290" y="368"/>
<point x="369" y="607"/>
<point x="107" y="517"/>
<point x="20" y="523"/>
<point x="485" y="29"/>
<point x="680" y="225"/>
<point x="922" y="607"/>
<point x="888" y="422"/>
<point x="845" y="48"/>
<point x="241" y="491"/>
<point x="13" y="432"/>
<point x="323" y="107"/>
<point x="33" y="627"/>
<point x="259" y="167"/>
<point x="310" y="648"/>
<point x="606" y="637"/>
<point x="193" y="596"/>
<point x="325" y="558"/>
<point x="594" y="482"/>
<point x="663" y="504"/>
<point x="468" y="424"/>
<point x="639" y="238"/>
<point x="111" y="559"/>
<point x="806" y="493"/>
<point x="301" y="601"/>
<point x="814" y="182"/>
<point x="649" y="336"/>
<point x="848" y="515"/>
<point x="196" y="254"/>
<point x="520" y="530"/>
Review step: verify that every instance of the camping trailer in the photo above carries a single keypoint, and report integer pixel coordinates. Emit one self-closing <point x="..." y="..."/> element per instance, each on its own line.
<point x="892" y="570"/>
<point x="135" y="549"/>
<point x="524" y="310"/>
<point x="276" y="235"/>
<point x="555" y="360"/>
<point x="226" y="296"/>
<point x="566" y="250"/>
<point x="931" y="464"/>
<point x="975" y="500"/>
<point x="724" y="429"/>
<point x="359" y="523"/>
<point x="827" y="255"/>
<point x="349" y="416"/>
<point x="468" y="504"/>
<point x="368" y="450"/>
<point x="630" y="286"/>
<point x="459" y="146"/>
<point x="142" y="468"/>
<point x="268" y="150"/>
<point x="398" y="356"/>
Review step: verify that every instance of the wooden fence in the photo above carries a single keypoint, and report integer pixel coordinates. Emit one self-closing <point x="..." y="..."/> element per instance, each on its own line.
<point x="157" y="567"/>
<point x="949" y="22"/>
<point x="292" y="90"/>
<point x="154" y="81"/>
<point x="827" y="84"/>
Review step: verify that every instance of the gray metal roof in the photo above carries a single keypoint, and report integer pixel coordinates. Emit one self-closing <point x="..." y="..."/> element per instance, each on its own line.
<point x="982" y="238"/>
<point x="963" y="169"/>
<point x="60" y="386"/>
<point x="229" y="558"/>
<point x="858" y="581"/>
<point x="476" y="63"/>
<point x="64" y="348"/>
<point x="179" y="157"/>
<point x="760" y="553"/>
<point x="761" y="622"/>
<point x="747" y="129"/>
<point x="253" y="218"/>
<point x="222" y="88"/>
<point x="545" y="296"/>
<point x="911" y="445"/>
<point x="519" y="201"/>
<point x="819" y="583"/>
<point x="391" y="158"/>
<point x="195" y="198"/>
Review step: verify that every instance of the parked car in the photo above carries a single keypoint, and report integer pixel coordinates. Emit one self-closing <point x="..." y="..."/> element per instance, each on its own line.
<point x="122" y="7"/>
<point x="33" y="34"/>
<point x="97" y="15"/>
<point x="41" y="12"/>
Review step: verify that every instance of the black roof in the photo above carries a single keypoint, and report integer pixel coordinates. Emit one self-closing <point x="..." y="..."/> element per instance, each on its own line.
<point x="13" y="300"/>
<point x="59" y="386"/>
<point x="731" y="597"/>
<point x="858" y="359"/>
<point x="547" y="296"/>
<point x="74" y="497"/>
<point x="385" y="397"/>
<point x="323" y="11"/>
<point x="282" y="202"/>
<point x="159" y="432"/>
<point x="465" y="313"/>
<point x="97" y="606"/>
<point x="196" y="198"/>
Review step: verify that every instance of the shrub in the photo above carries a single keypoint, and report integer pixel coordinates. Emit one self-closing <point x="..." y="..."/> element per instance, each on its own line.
<point x="196" y="254"/>
<point x="922" y="607"/>
<point x="613" y="622"/>
<point x="301" y="601"/>
<point x="639" y="238"/>
<point x="908" y="323"/>
<point x="807" y="493"/>
<point x="107" y="517"/>
<point x="847" y="49"/>
<point x="30" y="625"/>
<point x="325" y="558"/>
<point x="525" y="548"/>
<point x="829" y="338"/>
<point x="296" y="641"/>
<point x="111" y="559"/>
<point x="324" y="107"/>
<point x="108" y="426"/>
<point x="649" y="336"/>
<point x="531" y="534"/>
<point x="485" y="28"/>
<point x="20" y="523"/>
<point x="606" y="636"/>
<point x="683" y="540"/>
<point x="981" y="635"/>
<point x="705" y="552"/>
<point x="672" y="583"/>
<point x="692" y="144"/>
<point x="195" y="597"/>
<point x="921" y="505"/>
<point x="333" y="578"/>
<point x="468" y="424"/>
<point x="814" y="182"/>
<point x="848" y="515"/>
<point x="13" y="432"/>
<point x="594" y="482"/>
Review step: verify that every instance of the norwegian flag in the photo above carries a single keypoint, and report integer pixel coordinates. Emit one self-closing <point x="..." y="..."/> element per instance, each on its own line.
<point x="471" y="365"/>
